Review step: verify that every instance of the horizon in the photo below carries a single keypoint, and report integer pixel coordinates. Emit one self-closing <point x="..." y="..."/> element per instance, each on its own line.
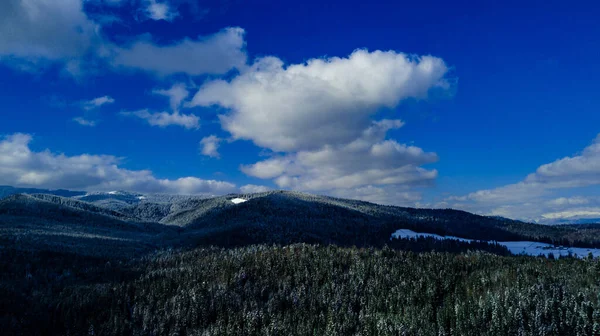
<point x="486" y="108"/>
<point x="208" y="196"/>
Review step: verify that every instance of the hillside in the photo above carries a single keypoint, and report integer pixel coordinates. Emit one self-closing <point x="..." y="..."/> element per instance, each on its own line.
<point x="285" y="217"/>
<point x="239" y="264"/>
<point x="274" y="217"/>
<point x="299" y="290"/>
<point x="8" y="190"/>
<point x="54" y="223"/>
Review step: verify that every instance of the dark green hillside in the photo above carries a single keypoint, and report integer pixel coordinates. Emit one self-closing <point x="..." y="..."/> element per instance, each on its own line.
<point x="289" y="217"/>
<point x="299" y="290"/>
<point x="276" y="217"/>
<point x="70" y="267"/>
<point x="58" y="208"/>
<point x="52" y="223"/>
<point x="8" y="190"/>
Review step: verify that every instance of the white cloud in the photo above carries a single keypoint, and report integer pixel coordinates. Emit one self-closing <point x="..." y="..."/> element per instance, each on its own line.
<point x="321" y="116"/>
<point x="252" y="188"/>
<point x="21" y="166"/>
<point x="348" y="166"/>
<point x="325" y="101"/>
<point x="538" y="197"/>
<point x="577" y="171"/>
<point x="33" y="30"/>
<point x="577" y="213"/>
<point x="210" y="146"/>
<point x="214" y="54"/>
<point x="176" y="94"/>
<point x="84" y="122"/>
<point x="97" y="102"/>
<point x="160" y="11"/>
<point x="34" y="33"/>
<point x="381" y="195"/>
<point x="164" y="119"/>
<point x="568" y="201"/>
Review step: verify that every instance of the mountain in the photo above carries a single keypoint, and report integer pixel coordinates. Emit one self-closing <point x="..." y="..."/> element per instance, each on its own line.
<point x="55" y="223"/>
<point x="117" y="200"/>
<point x="114" y="200"/>
<point x="80" y="205"/>
<point x="77" y="265"/>
<point x="577" y="221"/>
<point x="8" y="190"/>
<point x="287" y="217"/>
<point x="142" y="222"/>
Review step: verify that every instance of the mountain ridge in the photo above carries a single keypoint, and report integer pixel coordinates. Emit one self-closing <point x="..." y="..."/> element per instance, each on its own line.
<point x="272" y="217"/>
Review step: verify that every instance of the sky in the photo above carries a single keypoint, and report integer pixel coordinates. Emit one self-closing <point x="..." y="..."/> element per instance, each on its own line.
<point x="487" y="106"/>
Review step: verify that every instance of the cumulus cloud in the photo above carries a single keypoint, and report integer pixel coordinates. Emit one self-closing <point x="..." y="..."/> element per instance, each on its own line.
<point x="84" y="122"/>
<point x="381" y="195"/>
<point x="160" y="11"/>
<point x="320" y="119"/>
<point x="578" y="200"/>
<point x="21" y="166"/>
<point x="210" y="146"/>
<point x="324" y="101"/>
<point x="34" y="30"/>
<point x="214" y="54"/>
<point x="164" y="119"/>
<point x="347" y="166"/>
<point x="538" y="197"/>
<point x="252" y="188"/>
<point x="576" y="171"/>
<point x="577" y="213"/>
<point x="176" y="94"/>
<point x="97" y="102"/>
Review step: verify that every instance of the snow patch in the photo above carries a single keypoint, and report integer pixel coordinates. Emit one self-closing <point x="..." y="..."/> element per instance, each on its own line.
<point x="113" y="192"/>
<point x="141" y="198"/>
<point x="515" y="247"/>
<point x="238" y="200"/>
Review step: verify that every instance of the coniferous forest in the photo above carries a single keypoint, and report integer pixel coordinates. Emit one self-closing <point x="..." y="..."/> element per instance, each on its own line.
<point x="282" y="264"/>
<point x="299" y="290"/>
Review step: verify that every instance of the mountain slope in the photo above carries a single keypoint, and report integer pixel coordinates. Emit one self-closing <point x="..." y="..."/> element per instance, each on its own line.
<point x="8" y="190"/>
<point x="275" y="217"/>
<point x="48" y="222"/>
<point x="80" y="205"/>
<point x="287" y="217"/>
<point x="119" y="200"/>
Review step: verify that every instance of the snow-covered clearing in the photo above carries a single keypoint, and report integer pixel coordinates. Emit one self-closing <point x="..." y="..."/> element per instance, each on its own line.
<point x="238" y="200"/>
<point x="515" y="247"/>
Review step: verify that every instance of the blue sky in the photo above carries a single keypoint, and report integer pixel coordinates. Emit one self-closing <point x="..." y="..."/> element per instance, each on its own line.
<point x="491" y="107"/>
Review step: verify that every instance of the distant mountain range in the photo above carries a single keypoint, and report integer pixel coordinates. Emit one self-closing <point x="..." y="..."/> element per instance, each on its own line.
<point x="8" y="190"/>
<point x="576" y="221"/>
<point x="123" y="223"/>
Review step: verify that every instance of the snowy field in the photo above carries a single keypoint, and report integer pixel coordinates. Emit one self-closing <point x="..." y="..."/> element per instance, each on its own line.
<point x="238" y="200"/>
<point x="515" y="247"/>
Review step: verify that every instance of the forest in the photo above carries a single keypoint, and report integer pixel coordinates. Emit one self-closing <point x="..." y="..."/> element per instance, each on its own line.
<point x="282" y="263"/>
<point x="298" y="289"/>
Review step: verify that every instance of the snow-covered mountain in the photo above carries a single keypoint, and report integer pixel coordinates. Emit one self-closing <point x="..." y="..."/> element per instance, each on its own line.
<point x="274" y="217"/>
<point x="6" y="191"/>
